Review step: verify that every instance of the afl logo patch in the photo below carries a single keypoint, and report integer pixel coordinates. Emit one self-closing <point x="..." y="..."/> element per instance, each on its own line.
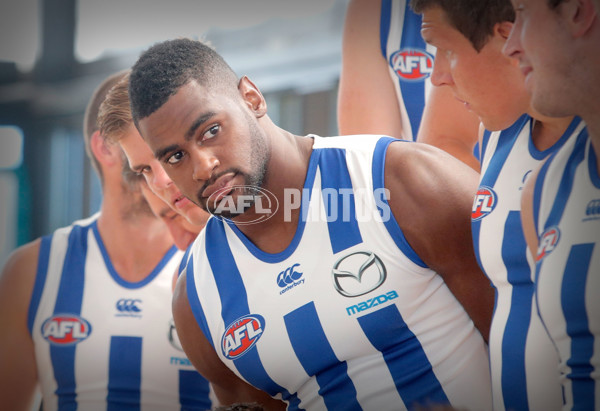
<point x="65" y="329"/>
<point x="484" y="203"/>
<point x="548" y="242"/>
<point x="412" y="64"/>
<point x="241" y="335"/>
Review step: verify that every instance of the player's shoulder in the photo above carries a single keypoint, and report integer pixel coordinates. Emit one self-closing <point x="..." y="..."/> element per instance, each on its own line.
<point x="19" y="273"/>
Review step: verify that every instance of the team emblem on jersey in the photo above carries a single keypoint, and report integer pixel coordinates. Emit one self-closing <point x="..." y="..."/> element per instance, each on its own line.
<point x="412" y="64"/>
<point x="358" y="273"/>
<point x="289" y="278"/>
<point x="241" y="335"/>
<point x="548" y="242"/>
<point x="173" y="337"/>
<point x="65" y="329"/>
<point x="484" y="203"/>
<point x="592" y="211"/>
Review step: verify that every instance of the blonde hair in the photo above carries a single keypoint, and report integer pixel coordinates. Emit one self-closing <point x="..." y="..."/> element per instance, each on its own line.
<point x="90" y="118"/>
<point x="114" y="116"/>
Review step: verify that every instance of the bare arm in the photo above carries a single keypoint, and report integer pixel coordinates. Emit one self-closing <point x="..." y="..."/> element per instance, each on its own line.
<point x="18" y="372"/>
<point x="448" y="125"/>
<point x="367" y="102"/>
<point x="229" y="387"/>
<point x="431" y="199"/>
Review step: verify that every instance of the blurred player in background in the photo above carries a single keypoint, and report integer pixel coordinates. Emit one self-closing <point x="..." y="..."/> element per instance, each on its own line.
<point x="86" y="310"/>
<point x="557" y="43"/>
<point x="469" y="36"/>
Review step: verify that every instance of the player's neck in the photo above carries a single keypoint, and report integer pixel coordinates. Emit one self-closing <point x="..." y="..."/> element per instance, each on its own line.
<point x="135" y="245"/>
<point x="287" y="170"/>
<point x="546" y="131"/>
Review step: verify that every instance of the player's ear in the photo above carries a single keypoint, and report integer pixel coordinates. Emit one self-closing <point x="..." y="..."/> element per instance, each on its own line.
<point x="104" y="152"/>
<point x="252" y="96"/>
<point x="580" y="15"/>
<point x="503" y="29"/>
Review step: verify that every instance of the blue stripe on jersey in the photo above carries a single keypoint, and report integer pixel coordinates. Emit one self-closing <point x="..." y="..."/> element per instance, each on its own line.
<point x="506" y="141"/>
<point x="413" y="92"/>
<point x="124" y="373"/>
<point x="317" y="357"/>
<point x="40" y="279"/>
<point x="305" y="202"/>
<point x="566" y="181"/>
<point x="184" y="260"/>
<point x="408" y="364"/>
<point x="234" y="304"/>
<point x="573" y="296"/>
<point x="537" y="193"/>
<point x="68" y="301"/>
<point x="514" y="384"/>
<point x="390" y="223"/>
<point x="338" y="199"/>
<point x="194" y="300"/>
<point x="384" y="26"/>
<point x="193" y="391"/>
<point x="116" y="276"/>
<point x="485" y="139"/>
<point x="593" y="167"/>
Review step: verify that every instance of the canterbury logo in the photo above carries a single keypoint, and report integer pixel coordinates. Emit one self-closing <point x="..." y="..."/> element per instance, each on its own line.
<point x="128" y="305"/>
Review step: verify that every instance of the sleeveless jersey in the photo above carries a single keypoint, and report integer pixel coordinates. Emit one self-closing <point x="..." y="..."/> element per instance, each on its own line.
<point x="410" y="60"/>
<point x="522" y="357"/>
<point x="567" y="212"/>
<point x="347" y="316"/>
<point x="102" y="343"/>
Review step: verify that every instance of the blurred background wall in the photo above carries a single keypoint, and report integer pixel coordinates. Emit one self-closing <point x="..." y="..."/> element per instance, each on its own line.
<point x="54" y="53"/>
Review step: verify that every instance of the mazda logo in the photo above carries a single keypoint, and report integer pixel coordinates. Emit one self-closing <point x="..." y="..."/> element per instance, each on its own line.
<point x="358" y="273"/>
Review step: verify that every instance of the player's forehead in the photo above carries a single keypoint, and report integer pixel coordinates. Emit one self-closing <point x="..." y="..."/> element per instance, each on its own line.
<point x="436" y="27"/>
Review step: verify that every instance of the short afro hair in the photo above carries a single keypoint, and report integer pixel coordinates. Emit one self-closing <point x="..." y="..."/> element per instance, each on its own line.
<point x="165" y="67"/>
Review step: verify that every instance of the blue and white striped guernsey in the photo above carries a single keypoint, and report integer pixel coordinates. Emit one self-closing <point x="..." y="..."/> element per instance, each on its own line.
<point x="409" y="58"/>
<point x="347" y="316"/>
<point x="102" y="343"/>
<point x="522" y="357"/>
<point x="567" y="216"/>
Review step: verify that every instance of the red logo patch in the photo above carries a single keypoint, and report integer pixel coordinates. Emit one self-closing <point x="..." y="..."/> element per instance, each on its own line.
<point x="548" y="242"/>
<point x="412" y="64"/>
<point x="65" y="329"/>
<point x="241" y="335"/>
<point x="483" y="203"/>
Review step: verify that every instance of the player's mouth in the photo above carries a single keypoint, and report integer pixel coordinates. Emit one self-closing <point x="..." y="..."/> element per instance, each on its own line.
<point x="222" y="187"/>
<point x="181" y="201"/>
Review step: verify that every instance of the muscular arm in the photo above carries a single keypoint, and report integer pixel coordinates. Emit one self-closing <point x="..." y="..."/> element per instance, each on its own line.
<point x="18" y="372"/>
<point x="431" y="199"/>
<point x="367" y="102"/>
<point x="228" y="387"/>
<point x="447" y="124"/>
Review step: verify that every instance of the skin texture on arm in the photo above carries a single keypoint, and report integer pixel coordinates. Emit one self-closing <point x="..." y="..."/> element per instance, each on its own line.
<point x="431" y="199"/>
<point x="448" y="125"/>
<point x="367" y="102"/>
<point x="18" y="372"/>
<point x="228" y="387"/>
